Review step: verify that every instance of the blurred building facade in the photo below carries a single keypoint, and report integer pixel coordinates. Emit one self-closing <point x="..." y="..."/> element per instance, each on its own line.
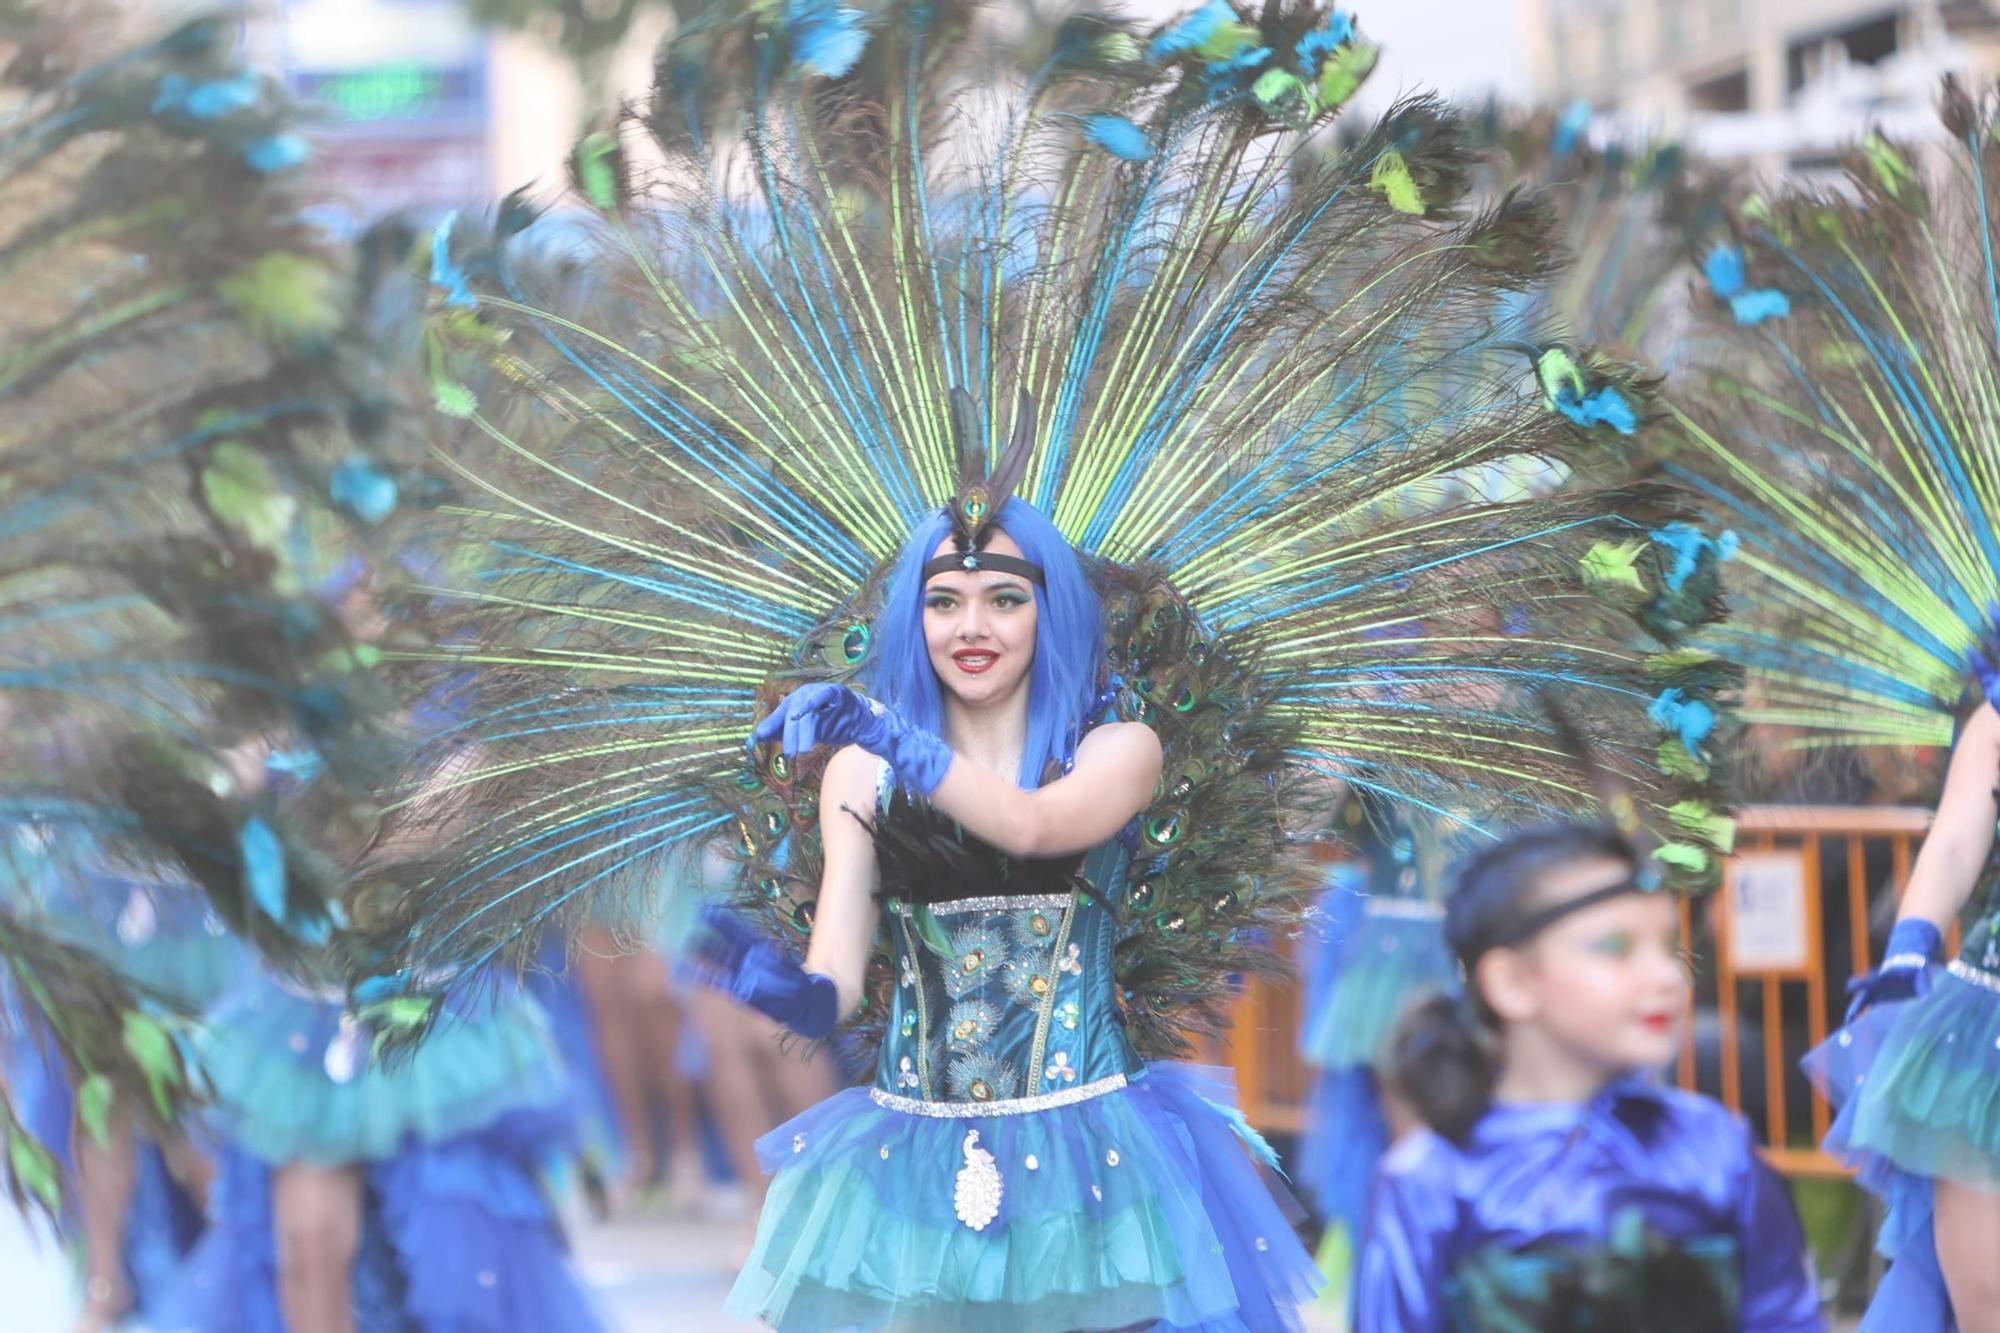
<point x="1784" y="80"/>
<point x="418" y="109"/>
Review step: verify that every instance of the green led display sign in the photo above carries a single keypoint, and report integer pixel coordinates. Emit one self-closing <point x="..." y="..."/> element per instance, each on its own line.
<point x="382" y="93"/>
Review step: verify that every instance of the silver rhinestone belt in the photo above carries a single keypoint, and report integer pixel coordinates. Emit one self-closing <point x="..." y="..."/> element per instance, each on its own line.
<point x="1082" y="1092"/>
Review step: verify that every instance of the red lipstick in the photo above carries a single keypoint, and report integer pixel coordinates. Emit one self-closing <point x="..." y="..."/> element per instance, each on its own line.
<point x="975" y="661"/>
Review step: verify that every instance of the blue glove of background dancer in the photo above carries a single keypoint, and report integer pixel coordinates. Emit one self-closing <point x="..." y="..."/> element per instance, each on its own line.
<point x="1915" y="946"/>
<point x="829" y="714"/>
<point x="731" y="956"/>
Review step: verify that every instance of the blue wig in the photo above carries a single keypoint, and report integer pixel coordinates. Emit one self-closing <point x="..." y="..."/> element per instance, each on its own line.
<point x="1069" y="640"/>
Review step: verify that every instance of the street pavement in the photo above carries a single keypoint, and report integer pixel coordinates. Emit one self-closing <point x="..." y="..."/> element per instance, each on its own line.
<point x="650" y="1274"/>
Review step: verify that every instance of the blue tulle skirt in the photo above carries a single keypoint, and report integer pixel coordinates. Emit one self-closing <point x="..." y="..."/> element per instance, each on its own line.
<point x="457" y="1237"/>
<point x="1138" y="1208"/>
<point x="1918" y="1085"/>
<point x="1912" y="1085"/>
<point x="290" y="1083"/>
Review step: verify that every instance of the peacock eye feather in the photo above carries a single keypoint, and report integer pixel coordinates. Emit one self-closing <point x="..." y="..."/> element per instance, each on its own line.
<point x="1164" y="831"/>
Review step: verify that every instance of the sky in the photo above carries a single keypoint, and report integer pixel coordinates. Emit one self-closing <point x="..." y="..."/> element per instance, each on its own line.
<point x="1463" y="48"/>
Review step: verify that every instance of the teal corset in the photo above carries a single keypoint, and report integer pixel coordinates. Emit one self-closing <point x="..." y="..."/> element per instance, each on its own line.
<point x="1006" y="997"/>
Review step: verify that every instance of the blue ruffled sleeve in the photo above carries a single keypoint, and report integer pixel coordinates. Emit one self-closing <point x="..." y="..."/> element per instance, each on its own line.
<point x="1405" y="1258"/>
<point x="1780" y="1294"/>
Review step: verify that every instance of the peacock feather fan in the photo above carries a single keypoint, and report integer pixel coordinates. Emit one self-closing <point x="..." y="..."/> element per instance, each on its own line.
<point x="1627" y="213"/>
<point x="1228" y="359"/>
<point x="1844" y="429"/>
<point x="191" y="414"/>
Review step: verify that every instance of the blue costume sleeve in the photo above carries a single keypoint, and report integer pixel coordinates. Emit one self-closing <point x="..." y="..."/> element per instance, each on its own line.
<point x="1400" y="1276"/>
<point x="1780" y="1294"/>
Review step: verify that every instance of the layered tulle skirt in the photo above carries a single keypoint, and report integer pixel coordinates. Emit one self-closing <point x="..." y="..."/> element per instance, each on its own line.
<point x="163" y="938"/>
<point x="1925" y="1081"/>
<point x="456" y="1237"/>
<point x="452" y="1141"/>
<point x="1136" y="1208"/>
<point x="291" y="1078"/>
<point x="1916" y="1090"/>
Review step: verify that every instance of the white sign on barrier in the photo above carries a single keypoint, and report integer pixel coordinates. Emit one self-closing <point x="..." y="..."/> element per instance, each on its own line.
<point x="1767" y="912"/>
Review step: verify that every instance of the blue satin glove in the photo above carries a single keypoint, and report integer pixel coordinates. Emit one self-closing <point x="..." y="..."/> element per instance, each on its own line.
<point x="827" y="714"/>
<point x="732" y="957"/>
<point x="1915" y="947"/>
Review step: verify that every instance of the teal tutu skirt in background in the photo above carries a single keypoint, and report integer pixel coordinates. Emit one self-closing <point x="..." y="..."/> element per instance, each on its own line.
<point x="1136" y="1208"/>
<point x="291" y="1081"/>
<point x="1922" y="1078"/>
<point x="162" y="937"/>
<point x="1915" y="1085"/>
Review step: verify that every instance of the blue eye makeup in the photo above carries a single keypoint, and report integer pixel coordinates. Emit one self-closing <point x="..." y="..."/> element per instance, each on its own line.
<point x="1617" y="944"/>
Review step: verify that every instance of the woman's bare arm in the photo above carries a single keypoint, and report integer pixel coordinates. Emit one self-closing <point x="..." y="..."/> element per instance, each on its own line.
<point x="1961" y="837"/>
<point x="1117" y="767"/>
<point x="844" y="920"/>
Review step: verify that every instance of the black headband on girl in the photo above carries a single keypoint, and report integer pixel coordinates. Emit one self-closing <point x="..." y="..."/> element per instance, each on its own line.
<point x="1521" y="929"/>
<point x="1482" y="912"/>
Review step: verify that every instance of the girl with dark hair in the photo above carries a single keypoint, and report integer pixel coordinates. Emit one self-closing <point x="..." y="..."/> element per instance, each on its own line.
<point x="1559" y="1186"/>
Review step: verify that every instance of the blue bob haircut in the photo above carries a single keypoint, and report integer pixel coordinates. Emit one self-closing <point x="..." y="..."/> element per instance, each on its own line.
<point x="1069" y="640"/>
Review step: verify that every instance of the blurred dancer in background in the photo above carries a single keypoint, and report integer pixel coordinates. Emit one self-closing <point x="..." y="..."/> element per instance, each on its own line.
<point x="1377" y="943"/>
<point x="1558" y="1184"/>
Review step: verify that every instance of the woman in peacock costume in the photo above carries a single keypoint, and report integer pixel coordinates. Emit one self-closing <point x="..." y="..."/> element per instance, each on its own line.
<point x="196" y="408"/>
<point x="1849" y="442"/>
<point x="1069" y="423"/>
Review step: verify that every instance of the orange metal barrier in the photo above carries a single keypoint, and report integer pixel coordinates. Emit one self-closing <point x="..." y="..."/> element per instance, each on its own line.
<point x="1775" y="946"/>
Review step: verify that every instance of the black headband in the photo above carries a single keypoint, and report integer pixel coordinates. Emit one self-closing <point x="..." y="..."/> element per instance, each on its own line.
<point x="982" y="562"/>
<point x="1521" y="929"/>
